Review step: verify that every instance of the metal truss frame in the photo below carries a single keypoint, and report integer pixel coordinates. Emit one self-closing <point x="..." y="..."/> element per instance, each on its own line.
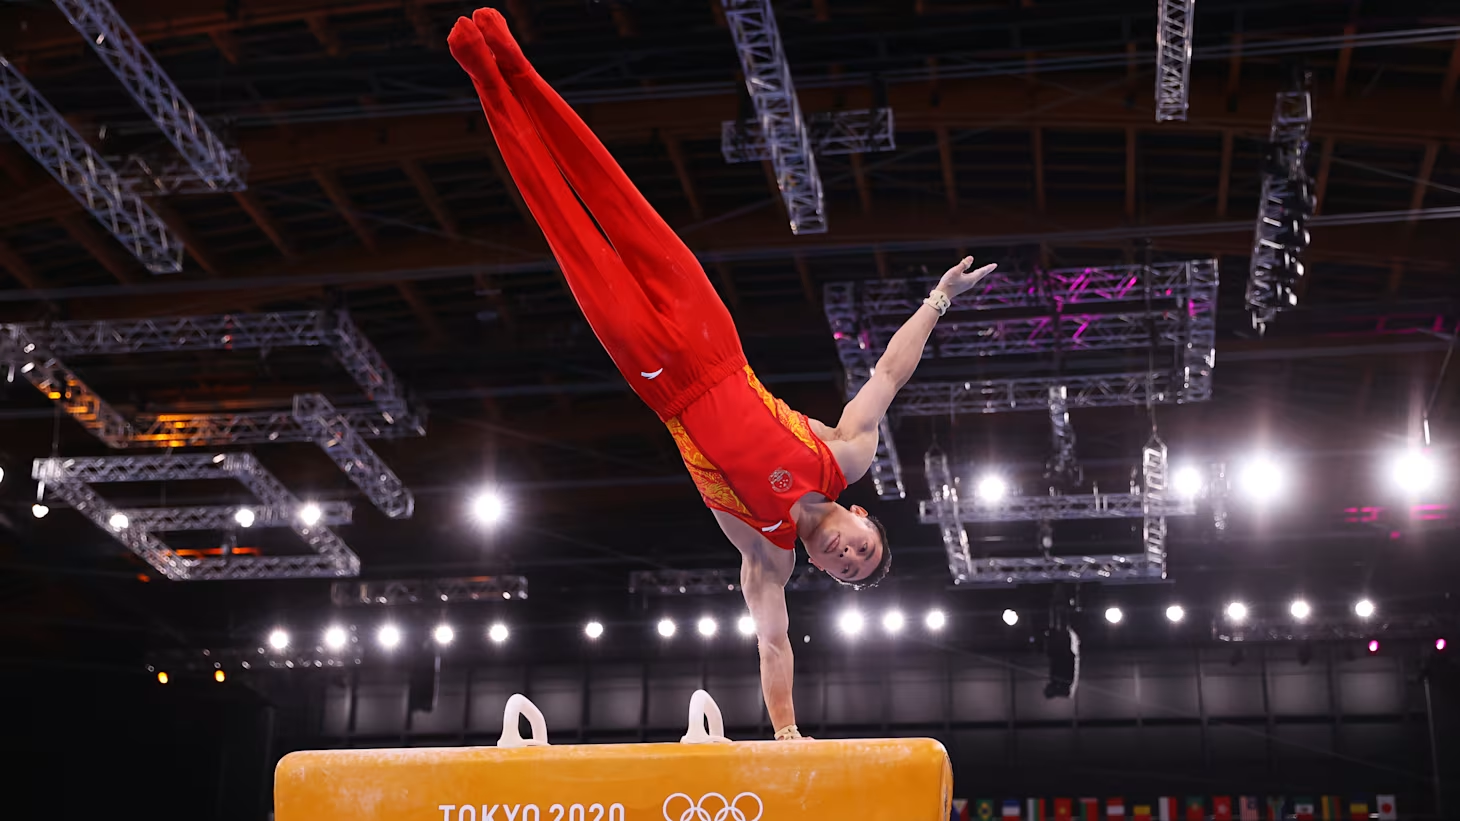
<point x="717" y="581"/>
<point x="47" y="137"/>
<point x="1268" y="293"/>
<point x="862" y="131"/>
<point x="788" y="140"/>
<point x="393" y="592"/>
<point x="220" y="517"/>
<point x="337" y="437"/>
<point x="72" y="479"/>
<point x="1173" y="58"/>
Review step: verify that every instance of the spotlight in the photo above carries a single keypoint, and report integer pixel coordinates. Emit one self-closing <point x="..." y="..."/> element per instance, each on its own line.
<point x="706" y="626"/>
<point x="335" y="637"/>
<point x="1373" y="645"/>
<point x="488" y="507"/>
<point x="39" y="510"/>
<point x="936" y="620"/>
<point x="1011" y="618"/>
<point x="1187" y="482"/>
<point x="991" y="489"/>
<point x="219" y="676"/>
<point x="1113" y="615"/>
<point x="388" y="636"/>
<point x="851" y="622"/>
<point x="1175" y="613"/>
<point x="443" y="634"/>
<point x="745" y="625"/>
<point x="310" y="514"/>
<point x="1236" y="612"/>
<point x="244" y="516"/>
<point x="1300" y="609"/>
<point x="1364" y="608"/>
<point x="666" y="627"/>
<point x="893" y="621"/>
<point x="593" y="629"/>
<point x="498" y="633"/>
<point x="161" y="677"/>
<point x="278" y="638"/>
<point x="1440" y="644"/>
<point x="1261" y="479"/>
<point x="118" y="521"/>
<point x="1414" y="472"/>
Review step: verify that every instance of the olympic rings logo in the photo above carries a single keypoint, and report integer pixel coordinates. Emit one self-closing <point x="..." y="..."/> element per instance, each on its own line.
<point x="713" y="807"/>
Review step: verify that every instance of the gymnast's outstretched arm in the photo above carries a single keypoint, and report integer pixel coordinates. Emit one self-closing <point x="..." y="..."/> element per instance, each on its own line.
<point x="764" y="571"/>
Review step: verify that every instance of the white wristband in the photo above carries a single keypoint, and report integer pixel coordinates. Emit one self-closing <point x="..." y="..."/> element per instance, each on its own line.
<point x="938" y="301"/>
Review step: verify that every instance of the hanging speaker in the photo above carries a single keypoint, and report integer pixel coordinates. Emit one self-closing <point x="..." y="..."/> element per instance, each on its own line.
<point x="425" y="682"/>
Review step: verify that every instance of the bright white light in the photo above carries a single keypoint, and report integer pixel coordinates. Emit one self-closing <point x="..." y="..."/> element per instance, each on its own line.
<point x="991" y="489"/>
<point x="488" y="507"/>
<point x="498" y="633"/>
<point x="1237" y="612"/>
<point x="1187" y="482"/>
<point x="851" y="622"/>
<point x="1011" y="618"/>
<point x="39" y="510"/>
<point x="593" y="629"/>
<point x="935" y="620"/>
<point x="1175" y="613"/>
<point x="244" y="516"/>
<point x="1261" y="479"/>
<point x="1113" y="615"/>
<point x="335" y="638"/>
<point x="745" y="625"/>
<point x="1300" y="609"/>
<point x="278" y="638"/>
<point x="893" y="621"/>
<point x="310" y="514"/>
<point x="666" y="627"/>
<point x="1364" y="608"/>
<point x="118" y="521"/>
<point x="1414" y="472"/>
<point x="443" y="634"/>
<point x="388" y="636"/>
<point x="706" y="626"/>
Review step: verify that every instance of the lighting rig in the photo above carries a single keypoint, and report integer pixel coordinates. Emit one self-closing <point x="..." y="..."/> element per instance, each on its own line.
<point x="1286" y="204"/>
<point x="717" y="580"/>
<point x="1173" y="57"/>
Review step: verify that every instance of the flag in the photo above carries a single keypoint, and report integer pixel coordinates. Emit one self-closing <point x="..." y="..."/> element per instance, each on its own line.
<point x="983" y="809"/>
<point x="1196" y="808"/>
<point x="1221" y="808"/>
<point x="1275" y="804"/>
<point x="1034" y="809"/>
<point x="1115" y="809"/>
<point x="1011" y="809"/>
<point x="1387" y="808"/>
<point x="1166" y="809"/>
<point x="1064" y="809"/>
<point x="1089" y="809"/>
<point x="960" y="809"/>
<point x="1303" y="809"/>
<point x="1358" y="811"/>
<point x="1141" y="812"/>
<point x="1328" y="807"/>
<point x="1247" y="808"/>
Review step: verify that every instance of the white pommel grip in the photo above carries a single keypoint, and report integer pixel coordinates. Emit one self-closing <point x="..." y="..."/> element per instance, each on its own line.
<point x="703" y="710"/>
<point x="518" y="706"/>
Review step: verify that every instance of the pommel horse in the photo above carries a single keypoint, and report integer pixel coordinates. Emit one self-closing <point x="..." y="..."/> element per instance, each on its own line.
<point x="705" y="777"/>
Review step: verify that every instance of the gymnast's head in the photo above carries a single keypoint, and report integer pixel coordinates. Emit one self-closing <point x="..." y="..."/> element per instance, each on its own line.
<point x="851" y="546"/>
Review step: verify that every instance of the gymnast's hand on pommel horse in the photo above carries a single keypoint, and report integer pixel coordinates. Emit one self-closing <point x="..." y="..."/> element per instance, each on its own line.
<point x="769" y="474"/>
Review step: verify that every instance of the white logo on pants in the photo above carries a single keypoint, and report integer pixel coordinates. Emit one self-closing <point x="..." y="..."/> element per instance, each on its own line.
<point x="712" y="807"/>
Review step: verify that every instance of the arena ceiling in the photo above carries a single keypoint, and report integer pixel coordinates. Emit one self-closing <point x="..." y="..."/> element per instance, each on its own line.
<point x="1023" y="137"/>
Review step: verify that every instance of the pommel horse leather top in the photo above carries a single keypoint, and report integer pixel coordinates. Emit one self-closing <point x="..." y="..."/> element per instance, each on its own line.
<point x="706" y="777"/>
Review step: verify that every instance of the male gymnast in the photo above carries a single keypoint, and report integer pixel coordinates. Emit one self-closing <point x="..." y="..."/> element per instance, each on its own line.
<point x="768" y="474"/>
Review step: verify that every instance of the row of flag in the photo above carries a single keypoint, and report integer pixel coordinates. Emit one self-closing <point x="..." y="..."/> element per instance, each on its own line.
<point x="1195" y="808"/>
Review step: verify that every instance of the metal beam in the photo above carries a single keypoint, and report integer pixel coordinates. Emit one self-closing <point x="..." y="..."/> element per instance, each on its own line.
<point x="864" y="188"/>
<point x="1173" y="58"/>
<point x="945" y="162"/>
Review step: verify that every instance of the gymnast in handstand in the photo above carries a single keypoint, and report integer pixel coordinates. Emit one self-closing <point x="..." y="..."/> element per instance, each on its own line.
<point x="770" y="475"/>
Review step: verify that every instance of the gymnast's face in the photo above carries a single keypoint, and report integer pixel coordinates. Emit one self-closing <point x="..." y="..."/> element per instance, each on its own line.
<point x="846" y="545"/>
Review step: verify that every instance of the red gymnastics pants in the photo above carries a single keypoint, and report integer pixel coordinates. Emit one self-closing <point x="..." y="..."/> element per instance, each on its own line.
<point x="642" y="291"/>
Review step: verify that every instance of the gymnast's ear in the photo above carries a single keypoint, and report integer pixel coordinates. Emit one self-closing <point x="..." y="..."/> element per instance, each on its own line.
<point x="858" y="510"/>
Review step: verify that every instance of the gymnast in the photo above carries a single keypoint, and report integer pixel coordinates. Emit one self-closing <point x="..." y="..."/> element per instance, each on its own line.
<point x="768" y="474"/>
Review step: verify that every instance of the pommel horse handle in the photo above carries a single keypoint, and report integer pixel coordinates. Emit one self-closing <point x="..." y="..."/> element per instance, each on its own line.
<point x="703" y="710"/>
<point x="518" y="706"/>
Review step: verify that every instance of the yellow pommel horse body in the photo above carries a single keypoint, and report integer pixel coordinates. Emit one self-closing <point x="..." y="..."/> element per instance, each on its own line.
<point x="706" y="777"/>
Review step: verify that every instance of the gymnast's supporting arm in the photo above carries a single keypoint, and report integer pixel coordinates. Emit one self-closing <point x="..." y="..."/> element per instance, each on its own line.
<point x="763" y="577"/>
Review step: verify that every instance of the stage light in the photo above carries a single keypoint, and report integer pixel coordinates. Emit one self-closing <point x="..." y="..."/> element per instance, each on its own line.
<point x="1414" y="472"/>
<point x="498" y="633"/>
<point x="1236" y="612"/>
<point x="1187" y="482"/>
<point x="706" y="626"/>
<point x="488" y="507"/>
<point x="1300" y="609"/>
<point x="851" y="622"/>
<point x="1175" y="613"/>
<point x="2" y="474"/>
<point x="1011" y="617"/>
<point x="1364" y="608"/>
<point x="39" y="510"/>
<point x="1113" y="615"/>
<point x="893" y="621"/>
<point x="745" y="625"/>
<point x="1440" y="644"/>
<point x="936" y="620"/>
<point x="1261" y="479"/>
<point x="161" y="677"/>
<point x="1373" y="645"/>
<point x="219" y="676"/>
<point x="666" y="627"/>
<point x="310" y="514"/>
<point x="389" y="636"/>
<point x="991" y="489"/>
<point x="278" y="638"/>
<point x="593" y="629"/>
<point x="335" y="637"/>
<point x="443" y="634"/>
<point x="244" y="516"/>
<point x="118" y="521"/>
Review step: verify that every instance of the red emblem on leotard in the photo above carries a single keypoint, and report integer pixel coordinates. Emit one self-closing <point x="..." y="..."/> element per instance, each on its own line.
<point x="780" y="480"/>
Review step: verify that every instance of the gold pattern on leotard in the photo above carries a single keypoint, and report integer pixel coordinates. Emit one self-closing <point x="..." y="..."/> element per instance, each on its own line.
<point x="707" y="477"/>
<point x="789" y="419"/>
